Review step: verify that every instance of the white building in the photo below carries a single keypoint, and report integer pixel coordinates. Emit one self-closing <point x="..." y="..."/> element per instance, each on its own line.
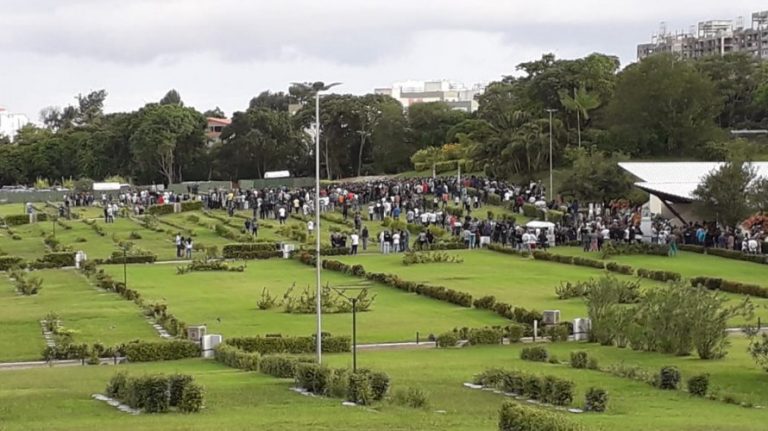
<point x="456" y="95"/>
<point x="11" y="123"/>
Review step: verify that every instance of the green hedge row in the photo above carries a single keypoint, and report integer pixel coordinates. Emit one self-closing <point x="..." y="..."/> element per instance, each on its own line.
<point x="145" y="351"/>
<point x="722" y="252"/>
<point x="548" y="389"/>
<point x="251" y="251"/>
<point x="233" y="357"/>
<point x="293" y="345"/>
<point x="517" y="417"/>
<point x="59" y="259"/>
<point x="157" y="393"/>
<point x="17" y="219"/>
<point x="191" y="206"/>
<point x="730" y="286"/>
<point x="158" y="210"/>
<point x="508" y="250"/>
<point x="8" y="262"/>
<point x="659" y="275"/>
<point x="362" y="387"/>
<point x="118" y="257"/>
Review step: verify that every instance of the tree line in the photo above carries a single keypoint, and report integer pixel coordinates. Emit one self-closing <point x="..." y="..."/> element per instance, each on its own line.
<point x="663" y="106"/>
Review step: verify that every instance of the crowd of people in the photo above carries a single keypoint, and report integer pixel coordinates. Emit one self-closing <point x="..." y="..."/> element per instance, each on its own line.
<point x="455" y="206"/>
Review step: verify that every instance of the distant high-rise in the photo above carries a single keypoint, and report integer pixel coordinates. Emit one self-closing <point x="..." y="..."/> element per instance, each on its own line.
<point x="458" y="96"/>
<point x="11" y="123"/>
<point x="717" y="37"/>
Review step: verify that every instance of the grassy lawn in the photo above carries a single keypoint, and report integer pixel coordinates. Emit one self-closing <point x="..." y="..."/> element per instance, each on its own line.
<point x="34" y="399"/>
<point x="98" y="316"/>
<point x="226" y="302"/>
<point x="525" y="282"/>
<point x="30" y="246"/>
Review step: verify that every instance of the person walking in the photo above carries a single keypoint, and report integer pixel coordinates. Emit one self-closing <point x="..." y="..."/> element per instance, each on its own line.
<point x="364" y="237"/>
<point x="355" y="241"/>
<point x="672" y="241"/>
<point x="188" y="247"/>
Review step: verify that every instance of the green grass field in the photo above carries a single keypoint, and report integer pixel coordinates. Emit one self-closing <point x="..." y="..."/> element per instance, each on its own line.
<point x="231" y="297"/>
<point x="97" y="316"/>
<point x="34" y="399"/>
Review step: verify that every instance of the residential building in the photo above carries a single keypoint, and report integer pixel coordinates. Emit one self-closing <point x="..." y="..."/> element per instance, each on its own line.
<point x="715" y="37"/>
<point x="214" y="128"/>
<point x="456" y="95"/>
<point x="11" y="123"/>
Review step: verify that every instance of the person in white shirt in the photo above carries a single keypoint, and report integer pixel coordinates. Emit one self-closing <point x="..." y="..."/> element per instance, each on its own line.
<point x="424" y="218"/>
<point x="355" y="242"/>
<point x="396" y="241"/>
<point x="310" y="227"/>
<point x="281" y="214"/>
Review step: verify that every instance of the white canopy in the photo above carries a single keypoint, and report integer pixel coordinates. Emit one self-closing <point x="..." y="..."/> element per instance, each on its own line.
<point x="536" y="224"/>
<point x="103" y="187"/>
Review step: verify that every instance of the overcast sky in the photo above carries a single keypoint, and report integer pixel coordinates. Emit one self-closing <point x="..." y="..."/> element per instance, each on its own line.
<point x="223" y="52"/>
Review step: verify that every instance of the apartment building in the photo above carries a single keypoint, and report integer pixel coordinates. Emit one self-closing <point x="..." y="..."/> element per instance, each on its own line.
<point x="456" y="95"/>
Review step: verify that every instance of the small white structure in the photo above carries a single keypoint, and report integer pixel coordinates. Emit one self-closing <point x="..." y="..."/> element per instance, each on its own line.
<point x="208" y="344"/>
<point x="276" y="174"/>
<point x="196" y="332"/>
<point x="551" y="317"/>
<point x="581" y="328"/>
<point x="106" y="187"/>
<point x="80" y="257"/>
<point x="548" y="225"/>
<point x="287" y="249"/>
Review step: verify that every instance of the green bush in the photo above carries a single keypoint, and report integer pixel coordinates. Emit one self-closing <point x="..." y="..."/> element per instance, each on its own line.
<point x="192" y="398"/>
<point x="359" y="390"/>
<point x="338" y="387"/>
<point x="517" y="417"/>
<point x="293" y="345"/>
<point x="618" y="268"/>
<point x="592" y="364"/>
<point x="596" y="400"/>
<point x="712" y="283"/>
<point x="8" y="262"/>
<point x="559" y="392"/>
<point x="314" y="378"/>
<point x="280" y="366"/>
<point x="484" y="336"/>
<point x="579" y="359"/>
<point x="534" y="353"/>
<point x="485" y="303"/>
<point x="191" y="206"/>
<point x="533" y="387"/>
<point x="118" y="386"/>
<point x="176" y="385"/>
<point x="379" y="384"/>
<point x="447" y="339"/>
<point x="233" y="357"/>
<point x="556" y="333"/>
<point x="158" y="210"/>
<point x="698" y="385"/>
<point x="149" y="393"/>
<point x="250" y="251"/>
<point x="411" y="397"/>
<point x="514" y="332"/>
<point x="146" y="351"/>
<point x="668" y="378"/>
<point x="17" y="219"/>
<point x="659" y="275"/>
<point x="59" y="259"/>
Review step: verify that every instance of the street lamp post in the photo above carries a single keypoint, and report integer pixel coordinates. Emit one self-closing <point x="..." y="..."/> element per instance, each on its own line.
<point x="551" y="111"/>
<point x="125" y="266"/>
<point x="353" y="300"/>
<point x="318" y="263"/>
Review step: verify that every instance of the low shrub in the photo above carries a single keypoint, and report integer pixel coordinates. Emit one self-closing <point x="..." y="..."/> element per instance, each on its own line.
<point x="17" y="219"/>
<point x="314" y="378"/>
<point x="8" y="262"/>
<point x="379" y="384"/>
<point x="118" y="386"/>
<point x="556" y="333"/>
<point x="158" y="210"/>
<point x="485" y="336"/>
<point x="485" y="303"/>
<point x="359" y="390"/>
<point x="292" y="345"/>
<point x="698" y="385"/>
<point x="517" y="417"/>
<point x="59" y="259"/>
<point x="592" y="364"/>
<point x="411" y="397"/>
<point x="146" y="351"/>
<point x="596" y="400"/>
<point x="447" y="339"/>
<point x="280" y="366"/>
<point x="534" y="353"/>
<point x="149" y="393"/>
<point x="579" y="359"/>
<point x="712" y="283"/>
<point x="192" y="398"/>
<point x="191" y="206"/>
<point x="533" y="387"/>
<point x="668" y="378"/>
<point x="176" y="385"/>
<point x="233" y="357"/>
<point x="659" y="275"/>
<point x="251" y="251"/>
<point x="618" y="268"/>
<point x="514" y="332"/>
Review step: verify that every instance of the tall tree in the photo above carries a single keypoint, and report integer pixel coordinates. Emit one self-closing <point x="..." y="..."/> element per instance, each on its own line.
<point x="172" y="97"/>
<point x="430" y="122"/>
<point x="723" y="194"/>
<point x="214" y="113"/>
<point x="664" y="106"/>
<point x="581" y="103"/>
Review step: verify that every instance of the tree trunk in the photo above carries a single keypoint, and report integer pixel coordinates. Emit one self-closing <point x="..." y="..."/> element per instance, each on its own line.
<point x="360" y="154"/>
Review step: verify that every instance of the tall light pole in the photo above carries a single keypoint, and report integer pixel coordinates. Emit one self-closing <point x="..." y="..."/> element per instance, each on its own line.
<point x="551" y="111"/>
<point x="318" y="87"/>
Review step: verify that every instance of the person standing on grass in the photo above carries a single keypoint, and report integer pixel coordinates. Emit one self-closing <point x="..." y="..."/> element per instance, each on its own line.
<point x="672" y="241"/>
<point x="281" y="214"/>
<point x="364" y="236"/>
<point x="355" y="241"/>
<point x="178" y="245"/>
<point x="188" y="246"/>
<point x="396" y="242"/>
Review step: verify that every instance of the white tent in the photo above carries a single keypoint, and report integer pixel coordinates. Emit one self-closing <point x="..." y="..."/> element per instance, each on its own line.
<point x="548" y="225"/>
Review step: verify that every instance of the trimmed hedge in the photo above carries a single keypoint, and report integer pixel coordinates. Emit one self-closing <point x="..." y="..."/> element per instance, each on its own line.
<point x="668" y="378"/>
<point x="659" y="275"/>
<point x="8" y="262"/>
<point x="117" y="257"/>
<point x="191" y="206"/>
<point x="280" y="366"/>
<point x="698" y="385"/>
<point x="549" y="389"/>
<point x="157" y="393"/>
<point x="485" y="336"/>
<point x="250" y="251"/>
<point x="596" y="400"/>
<point x="236" y="358"/>
<point x="722" y="252"/>
<point x="508" y="250"/>
<point x="535" y="353"/>
<point x="618" y="268"/>
<point x="447" y="339"/>
<point x="158" y="210"/>
<point x="145" y="351"/>
<point x="293" y="345"/>
<point x="17" y="219"/>
<point x="59" y="259"/>
<point x="728" y="286"/>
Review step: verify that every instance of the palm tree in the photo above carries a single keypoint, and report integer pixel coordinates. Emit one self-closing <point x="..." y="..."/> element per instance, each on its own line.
<point x="581" y="102"/>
